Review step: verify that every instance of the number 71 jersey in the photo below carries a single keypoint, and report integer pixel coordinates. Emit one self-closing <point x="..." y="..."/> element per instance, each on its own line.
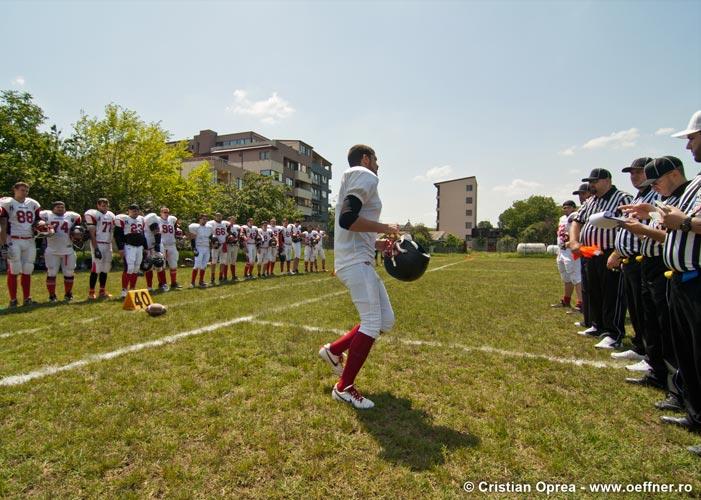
<point x="103" y="223"/>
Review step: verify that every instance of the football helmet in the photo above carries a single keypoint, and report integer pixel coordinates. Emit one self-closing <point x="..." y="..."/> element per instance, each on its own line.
<point x="215" y="242"/>
<point x="43" y="231"/>
<point x="146" y="264"/>
<point x="405" y="259"/>
<point x="157" y="260"/>
<point x="231" y="239"/>
<point x="77" y="237"/>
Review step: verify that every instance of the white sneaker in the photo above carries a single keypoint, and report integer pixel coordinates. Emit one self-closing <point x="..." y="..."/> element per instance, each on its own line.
<point x="164" y="288"/>
<point x="351" y="396"/>
<point x="629" y="354"/>
<point x="589" y="331"/>
<point x="640" y="366"/>
<point x="124" y="293"/>
<point x="579" y="323"/>
<point x="335" y="362"/>
<point x="606" y="343"/>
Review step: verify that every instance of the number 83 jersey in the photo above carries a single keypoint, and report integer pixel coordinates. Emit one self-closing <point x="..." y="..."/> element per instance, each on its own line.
<point x="20" y="215"/>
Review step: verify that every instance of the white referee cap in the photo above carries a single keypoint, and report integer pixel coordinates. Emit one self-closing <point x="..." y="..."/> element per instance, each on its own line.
<point x="693" y="127"/>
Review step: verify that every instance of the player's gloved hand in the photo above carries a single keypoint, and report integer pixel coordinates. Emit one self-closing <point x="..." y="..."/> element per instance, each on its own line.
<point x="4" y="251"/>
<point x="98" y="253"/>
<point x="196" y="252"/>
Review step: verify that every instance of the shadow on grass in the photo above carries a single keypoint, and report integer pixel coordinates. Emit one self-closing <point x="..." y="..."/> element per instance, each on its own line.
<point x="407" y="436"/>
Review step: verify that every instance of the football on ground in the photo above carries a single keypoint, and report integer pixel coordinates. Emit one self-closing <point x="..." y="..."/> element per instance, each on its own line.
<point x="480" y="380"/>
<point x="156" y="309"/>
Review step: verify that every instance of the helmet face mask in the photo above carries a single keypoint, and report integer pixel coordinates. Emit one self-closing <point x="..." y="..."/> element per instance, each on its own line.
<point x="146" y="264"/>
<point x="406" y="260"/>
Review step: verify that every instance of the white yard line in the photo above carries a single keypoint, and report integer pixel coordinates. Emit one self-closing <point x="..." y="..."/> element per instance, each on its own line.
<point x="485" y="348"/>
<point x="170" y="339"/>
<point x="446" y="265"/>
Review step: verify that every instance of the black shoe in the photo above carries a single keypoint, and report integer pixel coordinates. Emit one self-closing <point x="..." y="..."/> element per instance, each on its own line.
<point x="672" y="403"/>
<point x="647" y="380"/>
<point x="28" y="302"/>
<point x="696" y="449"/>
<point x="176" y="286"/>
<point x="68" y="297"/>
<point x="681" y="422"/>
<point x="53" y="299"/>
<point x="13" y="304"/>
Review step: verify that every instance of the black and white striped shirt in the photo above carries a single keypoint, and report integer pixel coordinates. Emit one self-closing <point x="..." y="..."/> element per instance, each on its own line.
<point x="682" y="251"/>
<point x="628" y="244"/>
<point x="650" y="247"/>
<point x="592" y="235"/>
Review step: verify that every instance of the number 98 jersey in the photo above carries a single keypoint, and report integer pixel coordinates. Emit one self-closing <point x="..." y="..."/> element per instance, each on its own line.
<point x="21" y="216"/>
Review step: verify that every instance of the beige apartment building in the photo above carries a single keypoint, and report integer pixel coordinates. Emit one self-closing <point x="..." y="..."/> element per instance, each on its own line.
<point x="289" y="162"/>
<point x="456" y="207"/>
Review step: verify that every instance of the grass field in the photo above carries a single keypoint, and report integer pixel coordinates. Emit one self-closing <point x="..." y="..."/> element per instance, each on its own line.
<point x="243" y="408"/>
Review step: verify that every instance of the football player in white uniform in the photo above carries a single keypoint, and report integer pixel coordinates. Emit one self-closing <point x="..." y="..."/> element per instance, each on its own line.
<point x="286" y="255"/>
<point x="154" y="255"/>
<point x="169" y="230"/>
<point x="232" y="243"/>
<point x="320" y="250"/>
<point x="296" y="245"/>
<point x="59" y="253"/>
<point x="131" y="242"/>
<point x="201" y="236"/>
<point x="18" y="217"/>
<point x="262" y="250"/>
<point x="356" y="227"/>
<point x="306" y="242"/>
<point x="218" y="254"/>
<point x="100" y="222"/>
<point x="250" y="233"/>
<point x="313" y="242"/>
<point x="276" y="246"/>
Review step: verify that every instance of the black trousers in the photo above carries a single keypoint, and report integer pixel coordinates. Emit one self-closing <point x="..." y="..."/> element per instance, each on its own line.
<point x="633" y="285"/>
<point x="685" y="315"/>
<point x="657" y="330"/>
<point x="585" y="292"/>
<point x="607" y="304"/>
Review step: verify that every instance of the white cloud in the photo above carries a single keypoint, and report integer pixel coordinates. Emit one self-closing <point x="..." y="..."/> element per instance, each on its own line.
<point x="567" y="152"/>
<point x="664" y="131"/>
<point x="19" y="81"/>
<point x="517" y="187"/>
<point x="270" y="110"/>
<point x="574" y="171"/>
<point x="435" y="174"/>
<point x="616" y="140"/>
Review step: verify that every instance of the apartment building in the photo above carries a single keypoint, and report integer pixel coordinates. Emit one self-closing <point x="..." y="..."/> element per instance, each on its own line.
<point x="289" y="162"/>
<point x="456" y="207"/>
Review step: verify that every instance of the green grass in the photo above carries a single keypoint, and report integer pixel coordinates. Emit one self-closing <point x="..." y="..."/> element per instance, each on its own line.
<point x="245" y="410"/>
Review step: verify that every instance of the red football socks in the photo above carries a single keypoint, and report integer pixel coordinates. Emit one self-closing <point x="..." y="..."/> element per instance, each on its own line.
<point x="67" y="284"/>
<point x="12" y="285"/>
<point x="357" y="354"/>
<point x="51" y="285"/>
<point x="194" y="276"/>
<point x="343" y="342"/>
<point x="161" y="278"/>
<point x="26" y="281"/>
<point x="149" y="278"/>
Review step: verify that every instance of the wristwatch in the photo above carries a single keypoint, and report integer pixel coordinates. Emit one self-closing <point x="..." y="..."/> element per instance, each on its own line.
<point x="685" y="226"/>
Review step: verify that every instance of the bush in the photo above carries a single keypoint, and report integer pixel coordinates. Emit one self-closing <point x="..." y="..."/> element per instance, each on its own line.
<point x="506" y="244"/>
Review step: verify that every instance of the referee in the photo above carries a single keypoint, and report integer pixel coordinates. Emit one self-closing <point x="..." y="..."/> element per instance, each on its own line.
<point x="625" y="258"/>
<point x="682" y="254"/>
<point x="606" y="299"/>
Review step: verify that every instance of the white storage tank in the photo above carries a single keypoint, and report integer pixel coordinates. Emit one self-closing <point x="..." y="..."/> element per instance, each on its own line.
<point x="530" y="248"/>
<point x="553" y="249"/>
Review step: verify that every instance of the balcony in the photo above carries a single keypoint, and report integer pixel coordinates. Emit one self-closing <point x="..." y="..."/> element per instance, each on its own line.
<point x="302" y="193"/>
<point x="298" y="175"/>
<point x="306" y="211"/>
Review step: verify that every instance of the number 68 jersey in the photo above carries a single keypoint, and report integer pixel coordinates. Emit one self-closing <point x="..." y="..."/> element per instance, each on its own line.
<point x="21" y="216"/>
<point x="60" y="242"/>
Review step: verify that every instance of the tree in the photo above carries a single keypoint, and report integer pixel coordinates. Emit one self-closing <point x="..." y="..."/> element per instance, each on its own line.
<point x="535" y="217"/>
<point x="124" y="159"/>
<point x="26" y="153"/>
<point x="506" y="244"/>
<point x="259" y="198"/>
<point x="485" y="224"/>
<point x="421" y="235"/>
<point x="453" y="242"/>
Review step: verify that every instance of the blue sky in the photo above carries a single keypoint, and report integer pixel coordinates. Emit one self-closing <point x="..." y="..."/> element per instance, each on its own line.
<point x="526" y="96"/>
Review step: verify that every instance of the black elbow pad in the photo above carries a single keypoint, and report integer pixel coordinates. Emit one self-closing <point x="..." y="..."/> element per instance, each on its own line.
<point x="154" y="227"/>
<point x="350" y="211"/>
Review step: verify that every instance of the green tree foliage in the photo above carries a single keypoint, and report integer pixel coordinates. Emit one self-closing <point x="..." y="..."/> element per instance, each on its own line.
<point x="26" y="153"/>
<point x="533" y="220"/>
<point x="421" y="235"/>
<point x="484" y="224"/>
<point x="453" y="242"/>
<point x="507" y="244"/>
<point x="260" y="198"/>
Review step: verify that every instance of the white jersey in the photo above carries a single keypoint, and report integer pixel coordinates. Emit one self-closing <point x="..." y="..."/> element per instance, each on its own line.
<point x="202" y="234"/>
<point x="313" y="237"/>
<point x="287" y="233"/>
<point x="149" y="220"/>
<point x="167" y="227"/>
<point x="129" y="225"/>
<point x="265" y="235"/>
<point x="250" y="233"/>
<point x="20" y="216"/>
<point x="305" y="238"/>
<point x="322" y="235"/>
<point x="60" y="242"/>
<point x="235" y="231"/>
<point x="296" y="232"/>
<point x="351" y="247"/>
<point x="563" y="232"/>
<point x="218" y="229"/>
<point x="104" y="224"/>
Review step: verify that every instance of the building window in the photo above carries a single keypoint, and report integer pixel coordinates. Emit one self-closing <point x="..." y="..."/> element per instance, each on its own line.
<point x="468" y="225"/>
<point x="305" y="150"/>
<point x="469" y="187"/>
<point x="289" y="182"/>
<point x="468" y="200"/>
<point x="323" y="194"/>
<point x="264" y="155"/>
<point x="272" y="173"/>
<point x="468" y="213"/>
<point x="239" y="183"/>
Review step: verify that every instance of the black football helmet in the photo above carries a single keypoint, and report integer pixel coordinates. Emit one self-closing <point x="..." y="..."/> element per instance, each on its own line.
<point x="158" y="261"/>
<point x="405" y="259"/>
<point x="146" y="264"/>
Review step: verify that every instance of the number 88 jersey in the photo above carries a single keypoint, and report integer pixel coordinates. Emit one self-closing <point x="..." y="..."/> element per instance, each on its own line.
<point x="21" y="216"/>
